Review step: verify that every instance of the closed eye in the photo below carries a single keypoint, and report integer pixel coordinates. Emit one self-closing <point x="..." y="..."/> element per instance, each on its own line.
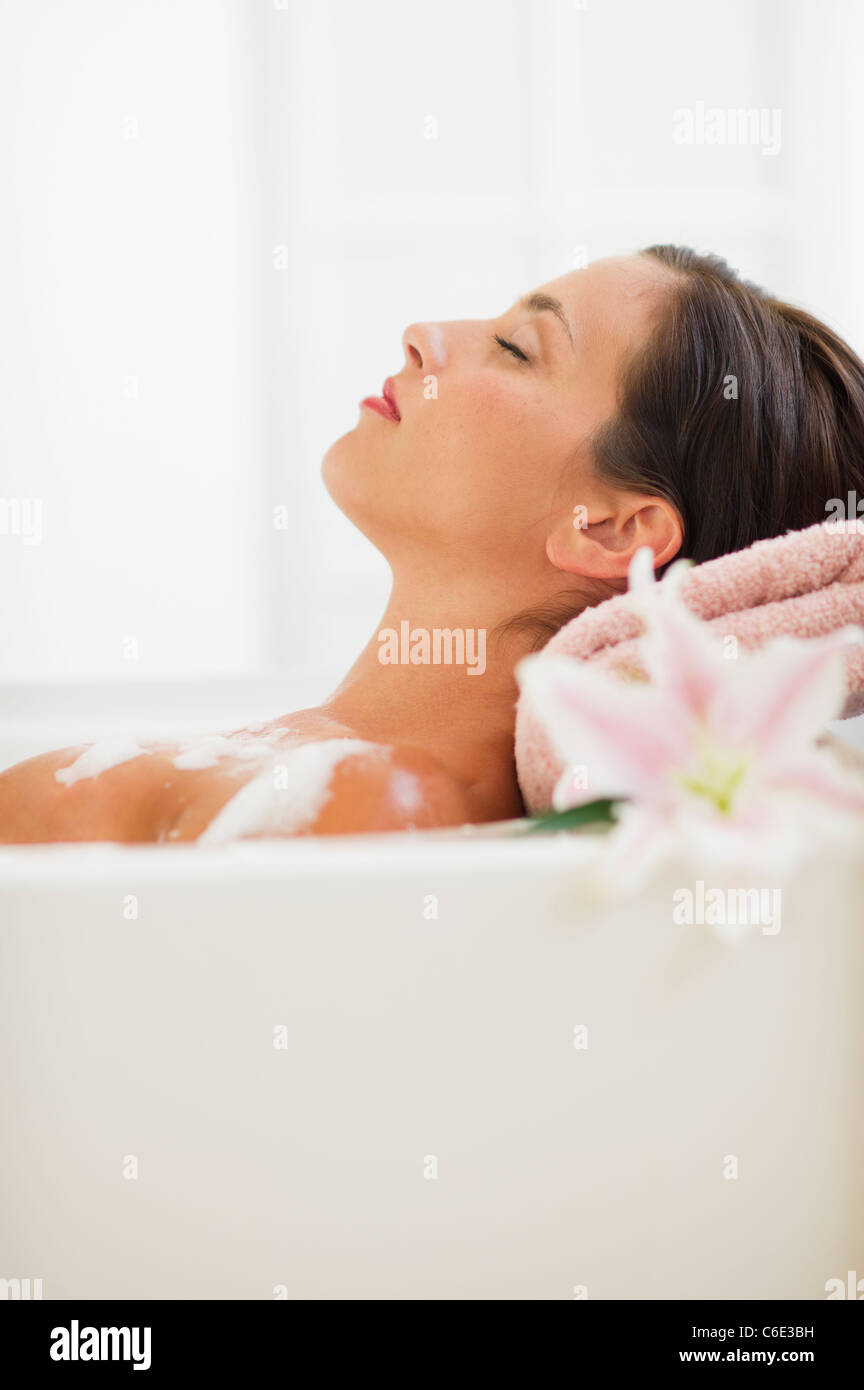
<point x="511" y="347"/>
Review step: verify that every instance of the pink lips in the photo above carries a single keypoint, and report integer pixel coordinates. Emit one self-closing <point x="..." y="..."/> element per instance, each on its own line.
<point x="385" y="404"/>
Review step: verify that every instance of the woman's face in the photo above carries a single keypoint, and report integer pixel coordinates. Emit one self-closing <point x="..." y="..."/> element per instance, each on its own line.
<point x="490" y="450"/>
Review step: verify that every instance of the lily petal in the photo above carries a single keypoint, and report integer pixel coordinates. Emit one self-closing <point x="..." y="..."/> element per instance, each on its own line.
<point x="623" y="735"/>
<point x="681" y="655"/>
<point x="641" y="578"/>
<point x="782" y="696"/>
<point x="683" y="658"/>
<point x="642" y="840"/>
<point x="818" y="776"/>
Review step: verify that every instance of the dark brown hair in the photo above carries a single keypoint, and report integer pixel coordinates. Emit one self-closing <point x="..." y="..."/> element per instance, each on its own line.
<point x="744" y="412"/>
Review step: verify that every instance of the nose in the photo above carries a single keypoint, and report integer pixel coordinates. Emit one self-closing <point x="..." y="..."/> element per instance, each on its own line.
<point x="425" y="346"/>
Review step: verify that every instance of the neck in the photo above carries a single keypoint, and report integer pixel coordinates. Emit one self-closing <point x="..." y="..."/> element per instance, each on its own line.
<point x="403" y="688"/>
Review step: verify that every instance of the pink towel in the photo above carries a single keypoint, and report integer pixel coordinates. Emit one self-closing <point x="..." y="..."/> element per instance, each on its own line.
<point x="802" y="584"/>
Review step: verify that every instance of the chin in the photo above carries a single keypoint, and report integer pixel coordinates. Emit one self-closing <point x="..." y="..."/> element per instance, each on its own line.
<point x="347" y="474"/>
<point x="343" y="467"/>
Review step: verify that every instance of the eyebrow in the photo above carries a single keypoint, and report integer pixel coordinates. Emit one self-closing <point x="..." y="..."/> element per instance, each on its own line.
<point x="546" y="304"/>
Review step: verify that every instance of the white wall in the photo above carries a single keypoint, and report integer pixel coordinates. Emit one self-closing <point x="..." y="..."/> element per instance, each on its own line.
<point x="253" y="255"/>
<point x="129" y="342"/>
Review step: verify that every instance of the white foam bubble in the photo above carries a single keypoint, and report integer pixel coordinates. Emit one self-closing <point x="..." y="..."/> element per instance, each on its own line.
<point x="210" y="748"/>
<point x="205" y="752"/>
<point x="288" y="794"/>
<point x="108" y="752"/>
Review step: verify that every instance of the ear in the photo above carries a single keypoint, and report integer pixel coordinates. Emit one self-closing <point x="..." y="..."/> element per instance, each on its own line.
<point x="599" y="540"/>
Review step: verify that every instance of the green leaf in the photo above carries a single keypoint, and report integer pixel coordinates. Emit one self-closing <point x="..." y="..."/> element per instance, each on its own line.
<point x="599" y="812"/>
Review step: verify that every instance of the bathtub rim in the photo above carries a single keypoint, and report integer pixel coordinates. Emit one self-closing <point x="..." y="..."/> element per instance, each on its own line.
<point x="393" y="856"/>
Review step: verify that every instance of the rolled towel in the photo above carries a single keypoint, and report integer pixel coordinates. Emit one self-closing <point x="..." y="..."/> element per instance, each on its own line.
<point x="803" y="584"/>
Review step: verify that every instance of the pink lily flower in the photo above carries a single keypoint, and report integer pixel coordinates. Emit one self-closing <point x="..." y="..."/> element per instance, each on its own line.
<point x="711" y="755"/>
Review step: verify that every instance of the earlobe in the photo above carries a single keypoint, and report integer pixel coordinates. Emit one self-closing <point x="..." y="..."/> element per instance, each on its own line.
<point x="600" y="543"/>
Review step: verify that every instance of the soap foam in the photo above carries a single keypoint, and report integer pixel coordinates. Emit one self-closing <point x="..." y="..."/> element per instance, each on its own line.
<point x="207" y="750"/>
<point x="109" y="752"/>
<point x="287" y="795"/>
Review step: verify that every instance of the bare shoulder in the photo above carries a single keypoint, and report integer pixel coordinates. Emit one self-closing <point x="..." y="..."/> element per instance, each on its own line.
<point x="315" y="787"/>
<point x="61" y="796"/>
<point x="392" y="787"/>
<point x="341" y="785"/>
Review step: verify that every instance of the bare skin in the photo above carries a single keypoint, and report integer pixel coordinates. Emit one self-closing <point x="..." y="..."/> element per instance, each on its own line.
<point x="470" y="496"/>
<point x="149" y="800"/>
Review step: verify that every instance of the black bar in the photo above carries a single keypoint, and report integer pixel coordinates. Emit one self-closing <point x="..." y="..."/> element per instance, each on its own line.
<point x="223" y="1338"/>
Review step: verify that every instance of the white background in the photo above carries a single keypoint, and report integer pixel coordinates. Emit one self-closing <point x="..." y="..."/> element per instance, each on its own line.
<point x="218" y="216"/>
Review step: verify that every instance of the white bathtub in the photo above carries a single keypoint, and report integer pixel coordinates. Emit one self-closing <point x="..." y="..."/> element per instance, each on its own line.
<point x="426" y="1127"/>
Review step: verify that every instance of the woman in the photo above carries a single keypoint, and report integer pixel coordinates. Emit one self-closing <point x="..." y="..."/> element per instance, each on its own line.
<point x="508" y="474"/>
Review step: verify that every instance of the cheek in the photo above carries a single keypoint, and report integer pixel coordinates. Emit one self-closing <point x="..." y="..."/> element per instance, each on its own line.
<point x="511" y="432"/>
<point x="483" y="418"/>
<point x="490" y="450"/>
<point x="492" y="402"/>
